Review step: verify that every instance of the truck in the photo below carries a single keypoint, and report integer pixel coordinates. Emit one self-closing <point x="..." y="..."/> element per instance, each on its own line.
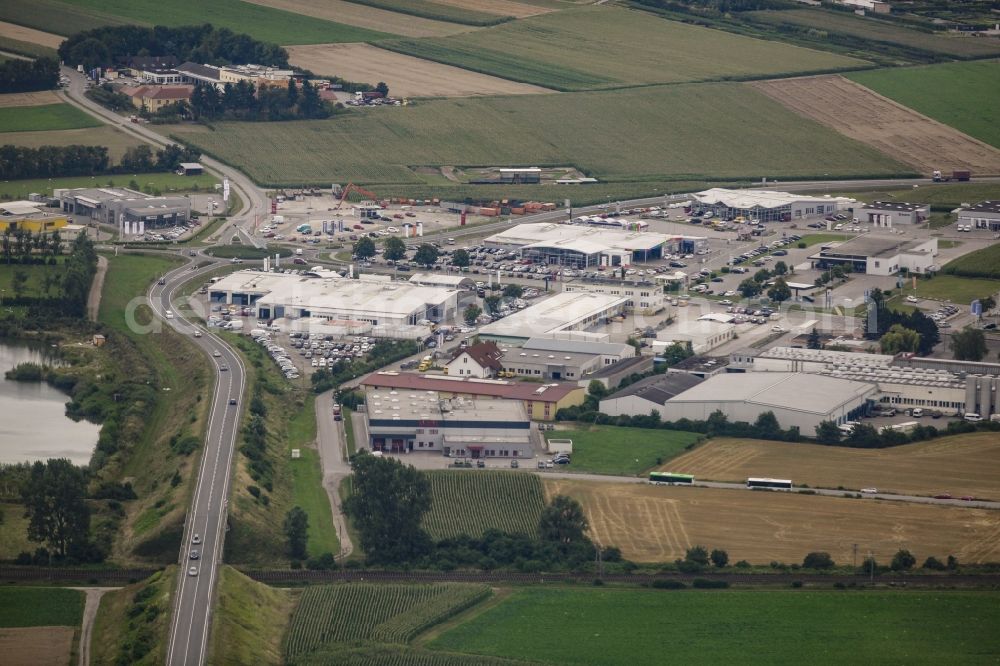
<point x="337" y="416"/>
<point x="961" y="175"/>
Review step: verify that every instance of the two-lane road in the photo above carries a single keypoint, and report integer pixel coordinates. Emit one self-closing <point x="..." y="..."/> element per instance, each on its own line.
<point x="206" y="519"/>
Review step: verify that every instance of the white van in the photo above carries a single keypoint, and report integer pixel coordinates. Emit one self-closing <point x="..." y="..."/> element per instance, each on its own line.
<point x="918" y="412"/>
<point x="298" y="252"/>
<point x="972" y="416"/>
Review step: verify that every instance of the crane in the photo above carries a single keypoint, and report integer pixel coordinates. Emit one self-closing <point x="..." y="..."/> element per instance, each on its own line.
<point x="351" y="187"/>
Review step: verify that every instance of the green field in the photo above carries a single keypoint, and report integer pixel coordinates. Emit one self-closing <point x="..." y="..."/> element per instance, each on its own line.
<point x="116" y="141"/>
<point x="623" y="451"/>
<point x="874" y="30"/>
<point x="628" y="627"/>
<point x="26" y="48"/>
<point x="35" y="286"/>
<point x="164" y="182"/>
<point x="307" y="481"/>
<point x="959" y="290"/>
<point x="611" y="47"/>
<point x="984" y="263"/>
<point x="44" y="118"/>
<point x="473" y="501"/>
<point x="263" y="23"/>
<point x="40" y="607"/>
<point x="942" y="196"/>
<point x="816" y="239"/>
<point x="353" y="614"/>
<point x="436" y="11"/>
<point x="250" y="620"/>
<point x="670" y="133"/>
<point x="60" y="18"/>
<point x="964" y="95"/>
<point x="132" y="275"/>
<point x="395" y="655"/>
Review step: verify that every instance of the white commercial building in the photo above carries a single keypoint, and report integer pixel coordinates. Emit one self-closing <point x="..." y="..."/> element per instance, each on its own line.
<point x="983" y="215"/>
<point x="766" y="205"/>
<point x="567" y="315"/>
<point x="580" y="247"/>
<point x="649" y="394"/>
<point x="326" y="295"/>
<point x="704" y="335"/>
<point x="874" y="255"/>
<point x="573" y="360"/>
<point x="889" y="213"/>
<point x="645" y="298"/>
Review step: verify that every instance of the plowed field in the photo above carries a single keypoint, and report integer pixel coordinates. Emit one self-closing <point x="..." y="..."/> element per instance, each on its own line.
<point x="362" y="16"/>
<point x="23" y="34"/>
<point x="657" y="523"/>
<point x="864" y="115"/>
<point x="36" y="646"/>
<point x="405" y="75"/>
<point x="29" y="99"/>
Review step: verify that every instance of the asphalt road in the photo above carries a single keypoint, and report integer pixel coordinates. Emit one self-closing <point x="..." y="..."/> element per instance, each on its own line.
<point x="195" y="593"/>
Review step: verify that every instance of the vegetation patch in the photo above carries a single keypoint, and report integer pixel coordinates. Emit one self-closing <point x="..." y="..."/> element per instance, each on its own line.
<point x="246" y="252"/>
<point x="983" y="263"/>
<point x="959" y="290"/>
<point x="624" y="451"/>
<point x="133" y="623"/>
<point x="963" y="95"/>
<point x="62" y="18"/>
<point x="627" y="626"/>
<point x="250" y="620"/>
<point x="27" y="49"/>
<point x="44" y="118"/>
<point x="437" y="11"/>
<point x="473" y="502"/>
<point x="40" y="607"/>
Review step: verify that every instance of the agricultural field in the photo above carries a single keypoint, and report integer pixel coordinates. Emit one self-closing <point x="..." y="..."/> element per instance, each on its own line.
<point x="40" y="607"/>
<point x="22" y="33"/>
<point x="505" y="7"/>
<point x="405" y="75"/>
<point x="37" y="646"/>
<point x="354" y="614"/>
<point x="874" y="30"/>
<point x="263" y="23"/>
<point x="956" y="289"/>
<point x="962" y="95"/>
<point x="594" y="132"/>
<point x="48" y="117"/>
<point x="438" y="11"/>
<point x="15" y="47"/>
<point x="941" y="196"/>
<point x="960" y="465"/>
<point x="657" y="524"/>
<point x="622" y="451"/>
<point x="115" y="140"/>
<point x="54" y="16"/>
<point x="164" y="182"/>
<point x="471" y="502"/>
<point x="625" y="627"/>
<point x="611" y="47"/>
<point x="884" y="124"/>
<point x="984" y="263"/>
<point x="395" y="655"/>
<point x="370" y="18"/>
<point x="41" y="98"/>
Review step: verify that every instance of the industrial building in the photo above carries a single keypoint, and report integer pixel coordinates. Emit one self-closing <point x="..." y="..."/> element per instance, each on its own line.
<point x="29" y="216"/>
<point x="260" y="76"/>
<point x="131" y="211"/>
<point x="541" y="401"/>
<point x="646" y="395"/>
<point x="983" y="215"/>
<point x="888" y="213"/>
<point x="465" y="287"/>
<point x="385" y="305"/>
<point x="566" y="315"/>
<point x="526" y="175"/>
<point x="873" y="255"/>
<point x="574" y="360"/>
<point x="401" y="421"/>
<point x="579" y="247"/>
<point x="704" y="335"/>
<point x="645" y="298"/>
<point x="765" y="205"/>
<point x="610" y="376"/>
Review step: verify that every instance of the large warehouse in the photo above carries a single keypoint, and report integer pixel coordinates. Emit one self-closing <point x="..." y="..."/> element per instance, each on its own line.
<point x="564" y="313"/>
<point x="579" y="247"/>
<point x="766" y="205"/>
<point x="874" y="255"/>
<point x="326" y="295"/>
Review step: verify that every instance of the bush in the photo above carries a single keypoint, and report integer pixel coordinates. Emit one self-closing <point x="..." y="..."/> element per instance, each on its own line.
<point x="324" y="562"/>
<point x="668" y="585"/>
<point x="818" y="560"/>
<point x="933" y="564"/>
<point x="720" y="558"/>
<point x="708" y="584"/>
<point x="903" y="560"/>
<point x="796" y="584"/>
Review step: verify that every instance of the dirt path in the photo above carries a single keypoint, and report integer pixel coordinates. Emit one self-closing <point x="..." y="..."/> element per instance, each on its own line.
<point x="332" y="454"/>
<point x="94" y="298"/>
<point x="93" y="602"/>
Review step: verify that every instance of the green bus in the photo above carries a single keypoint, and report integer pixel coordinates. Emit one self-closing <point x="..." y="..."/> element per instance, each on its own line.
<point x="671" y="478"/>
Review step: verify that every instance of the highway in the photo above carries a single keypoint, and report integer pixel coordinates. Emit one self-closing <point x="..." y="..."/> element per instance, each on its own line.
<point x="195" y="594"/>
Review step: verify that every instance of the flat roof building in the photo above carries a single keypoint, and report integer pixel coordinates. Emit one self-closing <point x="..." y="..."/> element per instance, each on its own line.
<point x="29" y="216"/>
<point x="580" y="247"/>
<point x="562" y="313"/>
<point x="704" y="335"/>
<point x="129" y="210"/>
<point x="646" y="298"/>
<point x="983" y="215"/>
<point x="648" y="394"/>
<point x="887" y="213"/>
<point x="766" y="205"/>
<point x="571" y="360"/>
<point x="874" y="255"/>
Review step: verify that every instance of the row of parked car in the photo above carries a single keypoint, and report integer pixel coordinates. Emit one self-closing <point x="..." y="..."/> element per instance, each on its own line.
<point x="278" y="353"/>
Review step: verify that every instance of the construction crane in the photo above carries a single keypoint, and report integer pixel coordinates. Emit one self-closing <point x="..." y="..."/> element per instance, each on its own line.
<point x="351" y="187"/>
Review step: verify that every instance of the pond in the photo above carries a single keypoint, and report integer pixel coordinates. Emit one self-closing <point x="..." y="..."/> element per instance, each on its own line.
<point x="33" y="421"/>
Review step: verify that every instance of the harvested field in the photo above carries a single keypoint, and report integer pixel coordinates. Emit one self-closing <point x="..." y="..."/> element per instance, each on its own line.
<point x="23" y="34"/>
<point x="498" y="7"/>
<point x="657" y="523"/>
<point x="36" y="646"/>
<point x="864" y="115"/>
<point x="372" y="18"/>
<point x="405" y="75"/>
<point x="960" y="465"/>
<point x="116" y="141"/>
<point x="29" y="99"/>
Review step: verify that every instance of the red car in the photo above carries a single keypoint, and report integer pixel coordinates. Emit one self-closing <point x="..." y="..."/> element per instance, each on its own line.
<point x="942" y="496"/>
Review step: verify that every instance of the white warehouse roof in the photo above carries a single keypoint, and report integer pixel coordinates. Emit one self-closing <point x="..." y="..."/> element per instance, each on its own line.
<point x="582" y="239"/>
<point x="816" y="394"/>
<point x="555" y="314"/>
<point x="760" y="198"/>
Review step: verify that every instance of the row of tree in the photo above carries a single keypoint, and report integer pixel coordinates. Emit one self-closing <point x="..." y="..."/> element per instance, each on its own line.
<point x="244" y="101"/>
<point x="19" y="246"/>
<point x="18" y="162"/>
<point x="17" y="75"/>
<point x="110" y="45"/>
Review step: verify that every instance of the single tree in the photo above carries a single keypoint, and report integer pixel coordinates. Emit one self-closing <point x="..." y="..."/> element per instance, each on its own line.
<point x="297" y="532"/>
<point x="969" y="344"/>
<point x="827" y="432"/>
<point x="634" y="342"/>
<point x="813" y="341"/>
<point x="394" y="249"/>
<point x="460" y="258"/>
<point x="767" y="426"/>
<point x="18" y="282"/>
<point x="818" y="560"/>
<point x="780" y="268"/>
<point x="563" y="522"/>
<point x="471" y="314"/>
<point x="779" y="291"/>
<point x="988" y="303"/>
<point x="492" y="303"/>
<point x="364" y="248"/>
<point x="54" y="503"/>
<point x="749" y="288"/>
<point x="903" y="560"/>
<point x="426" y="255"/>
<point x="697" y="555"/>
<point x="382" y="88"/>
<point x="933" y="564"/>
<point x="388" y="501"/>
<point x="762" y="276"/>
<point x="513" y="291"/>
<point x="720" y="558"/>
<point x="899" y="339"/>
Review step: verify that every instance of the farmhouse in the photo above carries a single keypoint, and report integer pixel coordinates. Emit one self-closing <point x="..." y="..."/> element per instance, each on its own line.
<point x="879" y="256"/>
<point x="765" y="205"/>
<point x="887" y="213"/>
<point x="983" y="215"/>
<point x="480" y="360"/>
<point x="391" y="306"/>
<point x="567" y="314"/>
<point x="571" y="245"/>
<point x="401" y="421"/>
<point x="545" y="358"/>
<point x="541" y="401"/>
<point x="128" y="209"/>
<point x="152" y="98"/>
<point x="29" y="216"/>
<point x="644" y="298"/>
<point x="646" y="395"/>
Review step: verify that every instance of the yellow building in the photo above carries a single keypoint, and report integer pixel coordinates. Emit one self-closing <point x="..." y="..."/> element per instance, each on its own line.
<point x="154" y="98"/>
<point x="29" y="216"/>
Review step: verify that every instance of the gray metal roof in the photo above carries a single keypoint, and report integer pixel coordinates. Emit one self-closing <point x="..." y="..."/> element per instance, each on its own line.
<point x="575" y="346"/>
<point x="659" y="388"/>
<point x="816" y="394"/>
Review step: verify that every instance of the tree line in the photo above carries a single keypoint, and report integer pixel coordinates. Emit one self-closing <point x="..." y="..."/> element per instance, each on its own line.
<point x="243" y="101"/>
<point x="206" y="44"/>
<point x="17" y="75"/>
<point x="19" y="162"/>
